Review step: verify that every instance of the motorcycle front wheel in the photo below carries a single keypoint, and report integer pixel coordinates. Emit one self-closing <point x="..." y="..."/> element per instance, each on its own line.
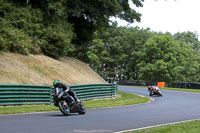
<point x="64" y="108"/>
<point x="159" y="94"/>
<point x="81" y="108"/>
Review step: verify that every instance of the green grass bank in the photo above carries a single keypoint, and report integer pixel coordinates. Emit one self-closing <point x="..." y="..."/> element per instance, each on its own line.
<point x="186" y="127"/>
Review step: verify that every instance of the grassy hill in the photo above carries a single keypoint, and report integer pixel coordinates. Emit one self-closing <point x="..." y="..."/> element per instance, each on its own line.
<point x="42" y="70"/>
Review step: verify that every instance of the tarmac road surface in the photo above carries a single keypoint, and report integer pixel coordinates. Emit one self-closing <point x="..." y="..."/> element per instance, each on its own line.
<point x="174" y="106"/>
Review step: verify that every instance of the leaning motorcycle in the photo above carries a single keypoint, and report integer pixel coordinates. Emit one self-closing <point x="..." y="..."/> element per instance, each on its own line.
<point x="154" y="91"/>
<point x="67" y="103"/>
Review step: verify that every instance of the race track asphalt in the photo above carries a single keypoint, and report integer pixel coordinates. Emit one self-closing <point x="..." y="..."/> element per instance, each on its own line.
<point x="174" y="106"/>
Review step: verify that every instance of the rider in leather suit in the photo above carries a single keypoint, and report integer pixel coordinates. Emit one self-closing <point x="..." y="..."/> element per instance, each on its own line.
<point x="58" y="83"/>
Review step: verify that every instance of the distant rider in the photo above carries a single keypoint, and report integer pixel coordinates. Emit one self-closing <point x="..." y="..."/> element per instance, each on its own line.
<point x="59" y="84"/>
<point x="151" y="89"/>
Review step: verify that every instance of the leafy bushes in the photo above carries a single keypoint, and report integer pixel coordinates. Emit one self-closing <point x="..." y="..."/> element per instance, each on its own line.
<point x="169" y="60"/>
<point x="17" y="41"/>
<point x="25" y="30"/>
<point x="57" y="38"/>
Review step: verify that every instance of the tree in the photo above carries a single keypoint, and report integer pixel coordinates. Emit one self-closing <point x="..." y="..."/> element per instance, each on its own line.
<point x="31" y="28"/>
<point x="189" y="37"/>
<point x="113" y="51"/>
<point x="39" y="18"/>
<point x="103" y="53"/>
<point x="166" y="59"/>
<point x="132" y="43"/>
<point x="88" y="16"/>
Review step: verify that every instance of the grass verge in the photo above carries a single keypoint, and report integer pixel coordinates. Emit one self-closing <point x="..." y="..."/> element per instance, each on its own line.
<point x="125" y="99"/>
<point x="176" y="89"/>
<point x="26" y="109"/>
<point x="182" y="89"/>
<point x="186" y="127"/>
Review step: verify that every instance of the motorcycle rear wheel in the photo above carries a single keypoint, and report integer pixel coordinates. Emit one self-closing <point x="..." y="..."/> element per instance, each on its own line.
<point x="64" y="108"/>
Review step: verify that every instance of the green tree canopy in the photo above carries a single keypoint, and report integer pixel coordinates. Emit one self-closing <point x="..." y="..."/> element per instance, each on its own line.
<point x="166" y="59"/>
<point x="56" y="24"/>
<point x="113" y="52"/>
<point x="189" y="37"/>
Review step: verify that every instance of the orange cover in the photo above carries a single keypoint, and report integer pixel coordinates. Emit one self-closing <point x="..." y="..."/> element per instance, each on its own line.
<point x="161" y="84"/>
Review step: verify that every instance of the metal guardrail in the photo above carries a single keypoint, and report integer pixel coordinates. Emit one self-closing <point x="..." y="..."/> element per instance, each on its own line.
<point x="187" y="85"/>
<point x="15" y="94"/>
<point x="18" y="94"/>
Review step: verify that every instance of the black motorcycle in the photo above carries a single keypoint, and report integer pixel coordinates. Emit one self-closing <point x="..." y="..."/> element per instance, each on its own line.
<point x="67" y="103"/>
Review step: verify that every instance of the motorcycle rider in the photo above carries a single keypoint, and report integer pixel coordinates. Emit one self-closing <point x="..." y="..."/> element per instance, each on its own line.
<point x="59" y="84"/>
<point x="151" y="89"/>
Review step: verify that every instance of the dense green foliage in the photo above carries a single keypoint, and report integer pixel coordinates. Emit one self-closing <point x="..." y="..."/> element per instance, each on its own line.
<point x="114" y="51"/>
<point x="82" y="29"/>
<point x="190" y="38"/>
<point x="165" y="59"/>
<point x="139" y="54"/>
<point x="57" y="27"/>
<point x="26" y="30"/>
